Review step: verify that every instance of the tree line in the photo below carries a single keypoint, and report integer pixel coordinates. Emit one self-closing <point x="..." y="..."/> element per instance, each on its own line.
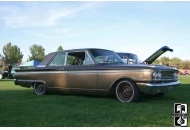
<point x="175" y="62"/>
<point x="13" y="55"/>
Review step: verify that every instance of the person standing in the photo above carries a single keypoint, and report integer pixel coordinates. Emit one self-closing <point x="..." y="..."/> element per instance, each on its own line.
<point x="9" y="70"/>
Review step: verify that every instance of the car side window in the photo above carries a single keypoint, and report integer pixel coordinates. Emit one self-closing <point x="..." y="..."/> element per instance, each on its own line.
<point x="133" y="59"/>
<point x="124" y="58"/>
<point x="59" y="60"/>
<point x="78" y="58"/>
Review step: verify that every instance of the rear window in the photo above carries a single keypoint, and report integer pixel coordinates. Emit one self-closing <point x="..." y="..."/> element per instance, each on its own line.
<point x="45" y="61"/>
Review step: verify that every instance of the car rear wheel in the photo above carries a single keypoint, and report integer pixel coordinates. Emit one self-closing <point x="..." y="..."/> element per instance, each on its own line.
<point x="127" y="91"/>
<point x="40" y="88"/>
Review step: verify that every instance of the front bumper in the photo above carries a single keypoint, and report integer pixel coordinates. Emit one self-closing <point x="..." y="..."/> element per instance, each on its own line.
<point x="154" y="88"/>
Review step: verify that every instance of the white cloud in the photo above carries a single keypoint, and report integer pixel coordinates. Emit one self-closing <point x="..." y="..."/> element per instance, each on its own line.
<point x="71" y="32"/>
<point x="43" y="35"/>
<point x="40" y="14"/>
<point x="57" y="33"/>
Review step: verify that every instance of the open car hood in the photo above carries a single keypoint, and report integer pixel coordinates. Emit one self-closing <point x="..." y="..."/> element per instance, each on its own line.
<point x="158" y="53"/>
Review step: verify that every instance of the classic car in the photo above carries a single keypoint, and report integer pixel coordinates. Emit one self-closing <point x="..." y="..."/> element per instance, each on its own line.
<point x="97" y="71"/>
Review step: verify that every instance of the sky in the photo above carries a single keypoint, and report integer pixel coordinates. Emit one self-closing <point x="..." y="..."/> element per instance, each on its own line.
<point x="135" y="27"/>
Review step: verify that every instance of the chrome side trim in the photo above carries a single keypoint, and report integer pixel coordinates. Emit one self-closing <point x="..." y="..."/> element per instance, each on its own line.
<point x="60" y="72"/>
<point x="100" y="72"/>
<point x="162" y="84"/>
<point x="34" y="81"/>
<point x="72" y="88"/>
<point x="78" y="89"/>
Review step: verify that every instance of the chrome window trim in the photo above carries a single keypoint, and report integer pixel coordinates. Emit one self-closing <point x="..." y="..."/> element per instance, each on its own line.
<point x="85" y="51"/>
<point x="92" y="58"/>
<point x="66" y="57"/>
<point x="62" y="53"/>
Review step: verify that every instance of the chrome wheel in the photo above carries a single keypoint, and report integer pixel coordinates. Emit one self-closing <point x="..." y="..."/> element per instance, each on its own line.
<point x="39" y="88"/>
<point x="127" y="91"/>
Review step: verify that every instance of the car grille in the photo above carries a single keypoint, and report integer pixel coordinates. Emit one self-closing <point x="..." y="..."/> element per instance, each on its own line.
<point x="167" y="74"/>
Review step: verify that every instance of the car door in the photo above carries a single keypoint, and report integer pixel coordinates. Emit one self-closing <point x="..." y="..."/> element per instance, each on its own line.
<point x="53" y="72"/>
<point x="81" y="72"/>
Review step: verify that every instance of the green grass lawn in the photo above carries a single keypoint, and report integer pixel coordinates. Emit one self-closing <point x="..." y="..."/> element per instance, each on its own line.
<point x="21" y="107"/>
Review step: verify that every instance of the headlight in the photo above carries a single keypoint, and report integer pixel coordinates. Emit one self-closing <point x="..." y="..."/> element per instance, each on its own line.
<point x="175" y="75"/>
<point x="157" y="75"/>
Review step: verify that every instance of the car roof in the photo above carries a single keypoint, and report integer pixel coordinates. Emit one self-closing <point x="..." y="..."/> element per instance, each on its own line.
<point x="125" y="53"/>
<point x="81" y="49"/>
<point x="49" y="56"/>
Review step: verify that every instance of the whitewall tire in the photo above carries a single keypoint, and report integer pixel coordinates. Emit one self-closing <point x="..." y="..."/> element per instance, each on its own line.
<point x="127" y="91"/>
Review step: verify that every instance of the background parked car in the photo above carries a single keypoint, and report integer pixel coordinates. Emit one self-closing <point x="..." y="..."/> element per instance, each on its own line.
<point x="4" y="73"/>
<point x="129" y="58"/>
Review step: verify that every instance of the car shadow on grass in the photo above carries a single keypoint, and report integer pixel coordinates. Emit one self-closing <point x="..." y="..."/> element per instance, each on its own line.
<point x="181" y="94"/>
<point x="6" y="80"/>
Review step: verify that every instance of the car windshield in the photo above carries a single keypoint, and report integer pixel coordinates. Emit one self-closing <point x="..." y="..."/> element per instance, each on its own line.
<point x="129" y="58"/>
<point x="105" y="56"/>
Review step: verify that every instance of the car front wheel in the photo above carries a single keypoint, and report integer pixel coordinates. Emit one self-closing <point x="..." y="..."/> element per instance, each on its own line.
<point x="127" y="91"/>
<point x="40" y="88"/>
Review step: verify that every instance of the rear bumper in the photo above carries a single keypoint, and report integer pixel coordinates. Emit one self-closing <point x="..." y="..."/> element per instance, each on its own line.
<point x="23" y="83"/>
<point x="26" y="83"/>
<point x="154" y="88"/>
